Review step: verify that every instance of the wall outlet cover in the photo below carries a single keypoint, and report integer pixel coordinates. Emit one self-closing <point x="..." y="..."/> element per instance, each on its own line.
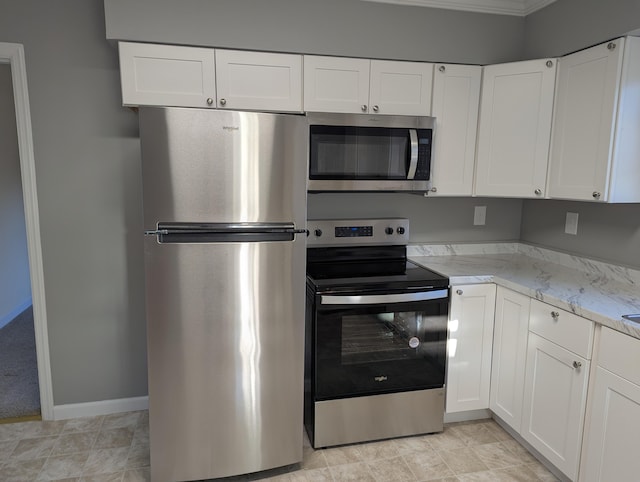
<point x="571" y="224"/>
<point x="480" y="216"/>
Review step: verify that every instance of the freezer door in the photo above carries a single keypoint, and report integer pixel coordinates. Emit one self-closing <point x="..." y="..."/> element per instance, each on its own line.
<point x="226" y="336"/>
<point x="222" y="166"/>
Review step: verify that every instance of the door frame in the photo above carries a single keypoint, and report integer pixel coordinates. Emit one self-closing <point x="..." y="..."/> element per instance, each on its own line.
<point x="13" y="54"/>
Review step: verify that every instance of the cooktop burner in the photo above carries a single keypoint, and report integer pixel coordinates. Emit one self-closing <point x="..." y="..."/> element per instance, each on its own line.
<point x="355" y="255"/>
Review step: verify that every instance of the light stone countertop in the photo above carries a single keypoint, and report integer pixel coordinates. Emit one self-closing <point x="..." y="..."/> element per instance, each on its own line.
<point x="595" y="290"/>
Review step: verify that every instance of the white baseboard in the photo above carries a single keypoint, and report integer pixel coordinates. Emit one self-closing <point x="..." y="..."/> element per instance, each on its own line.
<point x="103" y="407"/>
<point x="4" y="320"/>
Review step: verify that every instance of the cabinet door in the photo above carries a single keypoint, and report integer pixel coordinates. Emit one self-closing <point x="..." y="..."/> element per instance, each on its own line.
<point x="509" y="356"/>
<point x="515" y="128"/>
<point x="167" y="75"/>
<point x="611" y="446"/>
<point x="555" y="395"/>
<point x="259" y="81"/>
<point x="402" y="88"/>
<point x="588" y="83"/>
<point x="456" y="99"/>
<point x="336" y="84"/>
<point x="469" y="347"/>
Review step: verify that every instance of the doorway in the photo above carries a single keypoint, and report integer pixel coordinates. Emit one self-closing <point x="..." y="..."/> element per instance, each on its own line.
<point x="19" y="394"/>
<point x="12" y="55"/>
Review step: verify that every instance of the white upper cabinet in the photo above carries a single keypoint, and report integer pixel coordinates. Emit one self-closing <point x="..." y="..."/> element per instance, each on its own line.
<point x="259" y="81"/>
<point x="515" y="128"/>
<point x="167" y="75"/>
<point x="595" y="153"/>
<point x="456" y="98"/>
<point x="336" y="84"/>
<point x="469" y="347"/>
<point x="402" y="88"/>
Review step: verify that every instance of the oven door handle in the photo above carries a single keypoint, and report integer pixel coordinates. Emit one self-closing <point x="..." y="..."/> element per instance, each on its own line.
<point x="383" y="299"/>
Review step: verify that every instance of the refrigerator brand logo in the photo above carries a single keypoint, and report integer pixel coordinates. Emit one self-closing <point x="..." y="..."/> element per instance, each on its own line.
<point x="230" y="128"/>
<point x="380" y="379"/>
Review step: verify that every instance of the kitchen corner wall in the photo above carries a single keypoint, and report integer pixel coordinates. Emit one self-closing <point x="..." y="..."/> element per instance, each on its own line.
<point x="15" y="287"/>
<point x="609" y="232"/>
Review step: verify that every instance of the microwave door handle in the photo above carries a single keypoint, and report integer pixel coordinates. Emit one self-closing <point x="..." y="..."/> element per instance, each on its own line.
<point x="413" y="160"/>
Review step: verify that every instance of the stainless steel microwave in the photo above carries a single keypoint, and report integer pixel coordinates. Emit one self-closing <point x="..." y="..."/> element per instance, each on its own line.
<point x="363" y="152"/>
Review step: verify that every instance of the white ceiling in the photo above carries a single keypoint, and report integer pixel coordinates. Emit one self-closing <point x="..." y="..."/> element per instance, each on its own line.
<point x="504" y="7"/>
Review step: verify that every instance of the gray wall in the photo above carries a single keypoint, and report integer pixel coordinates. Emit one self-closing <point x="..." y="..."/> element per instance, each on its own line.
<point x="433" y="220"/>
<point x="569" y="25"/>
<point x="607" y="232"/>
<point x="15" y="288"/>
<point x="350" y="28"/>
<point x="88" y="184"/>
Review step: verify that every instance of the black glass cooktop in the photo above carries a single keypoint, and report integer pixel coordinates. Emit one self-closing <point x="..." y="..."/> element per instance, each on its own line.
<point x="357" y="268"/>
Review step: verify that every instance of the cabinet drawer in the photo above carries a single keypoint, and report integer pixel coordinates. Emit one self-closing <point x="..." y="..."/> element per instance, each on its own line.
<point x="562" y="327"/>
<point x="620" y="354"/>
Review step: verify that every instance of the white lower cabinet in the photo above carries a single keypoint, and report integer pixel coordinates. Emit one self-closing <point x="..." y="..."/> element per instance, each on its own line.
<point x="469" y="347"/>
<point x="611" y="441"/>
<point x="510" y="334"/>
<point x="555" y="396"/>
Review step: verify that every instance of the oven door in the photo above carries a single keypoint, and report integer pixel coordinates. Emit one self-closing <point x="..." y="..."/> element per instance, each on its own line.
<point x="377" y="343"/>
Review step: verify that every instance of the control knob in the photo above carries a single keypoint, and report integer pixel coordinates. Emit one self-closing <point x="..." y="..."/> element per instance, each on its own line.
<point x="400" y="230"/>
<point x="318" y="232"/>
<point x="388" y="230"/>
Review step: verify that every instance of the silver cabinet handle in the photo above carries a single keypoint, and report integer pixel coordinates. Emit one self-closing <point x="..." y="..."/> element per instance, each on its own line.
<point x="413" y="161"/>
<point x="209" y="101"/>
<point x="459" y="292"/>
<point x="596" y="195"/>
<point x="381" y="299"/>
<point x="434" y="189"/>
<point x="549" y="63"/>
<point x="538" y="192"/>
<point x="577" y="364"/>
<point x="376" y="108"/>
<point x="223" y="101"/>
<point x="611" y="46"/>
<point x="364" y="107"/>
<point x="442" y="68"/>
<point x="555" y="315"/>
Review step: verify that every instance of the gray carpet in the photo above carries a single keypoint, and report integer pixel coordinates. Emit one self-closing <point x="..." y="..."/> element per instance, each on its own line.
<point x="19" y="393"/>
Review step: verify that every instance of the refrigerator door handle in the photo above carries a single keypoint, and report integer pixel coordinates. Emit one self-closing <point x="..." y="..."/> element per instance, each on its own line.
<point x="224" y="232"/>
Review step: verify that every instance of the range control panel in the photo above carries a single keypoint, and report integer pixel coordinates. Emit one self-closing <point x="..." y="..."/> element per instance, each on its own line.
<point x="346" y="232"/>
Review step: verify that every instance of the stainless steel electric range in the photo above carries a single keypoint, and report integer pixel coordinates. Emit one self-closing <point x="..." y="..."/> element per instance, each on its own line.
<point x="376" y="330"/>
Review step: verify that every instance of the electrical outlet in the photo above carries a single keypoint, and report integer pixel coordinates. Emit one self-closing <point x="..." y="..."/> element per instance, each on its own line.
<point x="571" y="223"/>
<point x="480" y="216"/>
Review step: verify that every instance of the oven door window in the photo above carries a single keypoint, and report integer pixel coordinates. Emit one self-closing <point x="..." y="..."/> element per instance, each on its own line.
<point x="338" y="152"/>
<point x="379" y="349"/>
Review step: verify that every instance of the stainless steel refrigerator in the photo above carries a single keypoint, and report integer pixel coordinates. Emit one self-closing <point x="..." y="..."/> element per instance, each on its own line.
<point x="224" y="199"/>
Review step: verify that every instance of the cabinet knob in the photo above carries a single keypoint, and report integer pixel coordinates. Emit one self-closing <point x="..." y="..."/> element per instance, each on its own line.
<point x="549" y="63"/>
<point x="223" y="101"/>
<point x="538" y="192"/>
<point x="577" y="364"/>
<point x="611" y="46"/>
<point x="596" y="195"/>
<point x="459" y="292"/>
<point x="376" y="108"/>
<point x="555" y="315"/>
<point x="364" y="108"/>
<point x="434" y="189"/>
<point x="442" y="68"/>
<point x="209" y="101"/>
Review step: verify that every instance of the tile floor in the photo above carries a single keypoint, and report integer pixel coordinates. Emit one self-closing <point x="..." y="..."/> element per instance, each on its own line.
<point x="116" y="448"/>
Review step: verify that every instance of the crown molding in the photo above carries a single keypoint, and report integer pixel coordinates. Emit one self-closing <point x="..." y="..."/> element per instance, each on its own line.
<point x="518" y="8"/>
